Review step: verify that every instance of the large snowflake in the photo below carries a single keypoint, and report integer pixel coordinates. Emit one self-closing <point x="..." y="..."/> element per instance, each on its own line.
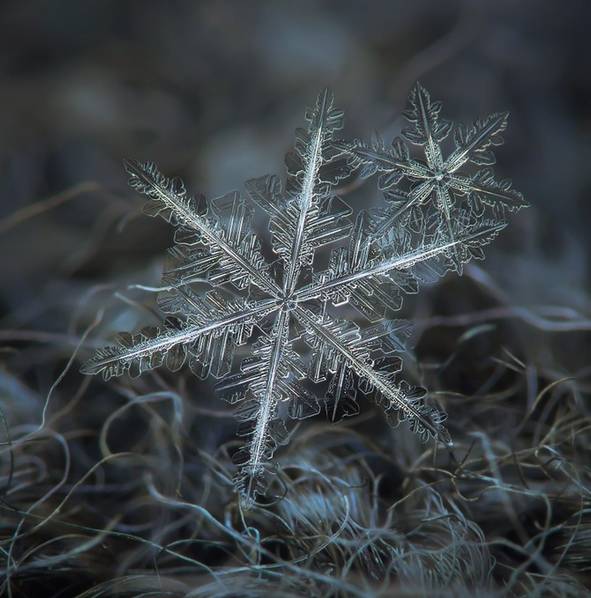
<point x="222" y="293"/>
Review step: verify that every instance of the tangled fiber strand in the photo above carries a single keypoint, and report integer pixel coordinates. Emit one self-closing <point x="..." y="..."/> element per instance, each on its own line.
<point x="142" y="507"/>
<point x="120" y="488"/>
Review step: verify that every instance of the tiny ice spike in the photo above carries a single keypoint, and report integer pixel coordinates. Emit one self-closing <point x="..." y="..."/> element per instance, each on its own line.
<point x="222" y="293"/>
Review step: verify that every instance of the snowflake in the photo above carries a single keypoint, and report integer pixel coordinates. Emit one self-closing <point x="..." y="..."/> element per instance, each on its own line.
<point x="435" y="176"/>
<point x="221" y="293"/>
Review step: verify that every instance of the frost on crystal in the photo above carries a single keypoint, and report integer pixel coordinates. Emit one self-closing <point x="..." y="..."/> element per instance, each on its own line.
<point x="222" y="293"/>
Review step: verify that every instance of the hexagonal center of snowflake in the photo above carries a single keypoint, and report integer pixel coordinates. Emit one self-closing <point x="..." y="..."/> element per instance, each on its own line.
<point x="439" y="175"/>
<point x="288" y="303"/>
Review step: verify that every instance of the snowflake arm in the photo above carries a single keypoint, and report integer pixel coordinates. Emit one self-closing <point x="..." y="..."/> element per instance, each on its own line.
<point x="399" y="203"/>
<point x="267" y="386"/>
<point x="354" y="274"/>
<point x="348" y="352"/>
<point x="391" y="163"/>
<point x="204" y="339"/>
<point x="308" y="184"/>
<point x="426" y="128"/>
<point x="474" y="143"/>
<point x="483" y="187"/>
<point x="232" y="248"/>
<point x="444" y="203"/>
<point x="330" y="221"/>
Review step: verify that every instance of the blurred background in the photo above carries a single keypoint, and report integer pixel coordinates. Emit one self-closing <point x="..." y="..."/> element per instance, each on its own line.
<point x="212" y="91"/>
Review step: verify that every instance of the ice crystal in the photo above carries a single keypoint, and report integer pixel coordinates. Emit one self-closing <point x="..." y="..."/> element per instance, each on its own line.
<point x="222" y="293"/>
<point x="441" y="181"/>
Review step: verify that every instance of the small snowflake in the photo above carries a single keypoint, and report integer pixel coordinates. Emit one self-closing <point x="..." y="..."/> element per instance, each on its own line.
<point x="441" y="181"/>
<point x="221" y="292"/>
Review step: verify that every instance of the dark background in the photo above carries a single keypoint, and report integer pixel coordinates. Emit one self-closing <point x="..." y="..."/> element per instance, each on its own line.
<point x="212" y="91"/>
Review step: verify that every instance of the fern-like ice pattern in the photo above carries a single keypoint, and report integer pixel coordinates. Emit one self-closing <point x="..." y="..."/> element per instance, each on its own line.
<point x="222" y="293"/>
<point x="445" y="182"/>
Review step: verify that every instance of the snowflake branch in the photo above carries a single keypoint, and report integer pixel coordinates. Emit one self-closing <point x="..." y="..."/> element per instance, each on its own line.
<point x="488" y="190"/>
<point x="149" y="181"/>
<point x="385" y="160"/>
<point x="473" y="143"/>
<point x="444" y="201"/>
<point x="267" y="395"/>
<point x="148" y="350"/>
<point x="416" y="197"/>
<point x="406" y="261"/>
<point x="428" y="118"/>
<point x="313" y="161"/>
<point x="394" y="396"/>
<point x="305" y="201"/>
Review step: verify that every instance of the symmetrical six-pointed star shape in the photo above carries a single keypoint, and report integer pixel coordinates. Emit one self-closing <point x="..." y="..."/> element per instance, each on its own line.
<point x="222" y="293"/>
<point x="442" y="181"/>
